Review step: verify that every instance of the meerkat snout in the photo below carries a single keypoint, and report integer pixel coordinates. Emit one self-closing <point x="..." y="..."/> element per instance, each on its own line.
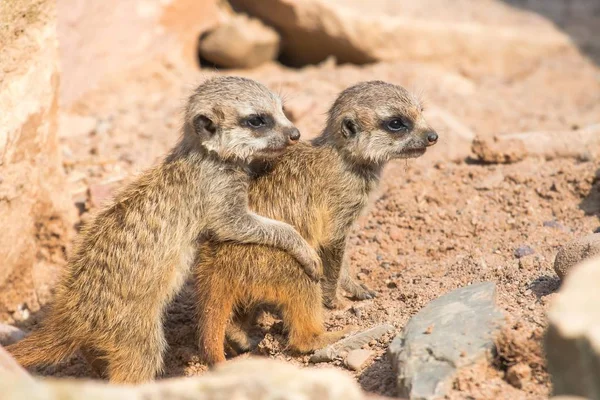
<point x="432" y="138"/>
<point x="293" y="135"/>
<point x="423" y="137"/>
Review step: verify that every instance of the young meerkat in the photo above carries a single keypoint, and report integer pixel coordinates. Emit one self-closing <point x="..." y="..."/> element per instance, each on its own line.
<point x="135" y="255"/>
<point x="320" y="189"/>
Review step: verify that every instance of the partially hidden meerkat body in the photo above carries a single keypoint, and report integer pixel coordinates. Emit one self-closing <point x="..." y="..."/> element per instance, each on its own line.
<point x="135" y="255"/>
<point x="320" y="189"/>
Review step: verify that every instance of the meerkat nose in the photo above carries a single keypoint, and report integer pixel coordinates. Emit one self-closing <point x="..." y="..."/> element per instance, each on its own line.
<point x="432" y="137"/>
<point x="294" y="134"/>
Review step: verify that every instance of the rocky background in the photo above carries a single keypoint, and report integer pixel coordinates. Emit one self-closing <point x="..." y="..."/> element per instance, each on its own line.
<point x="461" y="245"/>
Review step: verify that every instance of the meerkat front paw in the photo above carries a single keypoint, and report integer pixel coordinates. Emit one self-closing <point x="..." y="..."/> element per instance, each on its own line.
<point x="313" y="266"/>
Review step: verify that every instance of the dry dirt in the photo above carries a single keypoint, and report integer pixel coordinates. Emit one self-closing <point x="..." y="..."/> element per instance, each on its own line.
<point x="433" y="226"/>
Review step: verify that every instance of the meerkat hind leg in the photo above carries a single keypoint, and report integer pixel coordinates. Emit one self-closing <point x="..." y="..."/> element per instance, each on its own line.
<point x="139" y="357"/>
<point x="215" y="304"/>
<point x="96" y="360"/>
<point x="303" y="319"/>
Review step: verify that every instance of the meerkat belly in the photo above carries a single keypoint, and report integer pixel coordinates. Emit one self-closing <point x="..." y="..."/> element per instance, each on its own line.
<point x="180" y="269"/>
<point x="319" y="230"/>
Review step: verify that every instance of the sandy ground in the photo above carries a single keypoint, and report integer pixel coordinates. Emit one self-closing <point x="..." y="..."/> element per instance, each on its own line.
<point x="433" y="226"/>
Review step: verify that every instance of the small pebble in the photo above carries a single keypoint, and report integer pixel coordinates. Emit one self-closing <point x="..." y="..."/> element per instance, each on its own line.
<point x="356" y="359"/>
<point x="523" y="251"/>
<point x="556" y="225"/>
<point x="575" y="252"/>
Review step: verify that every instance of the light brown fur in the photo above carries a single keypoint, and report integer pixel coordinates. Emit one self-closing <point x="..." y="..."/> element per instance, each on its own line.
<point x="319" y="188"/>
<point x="135" y="255"/>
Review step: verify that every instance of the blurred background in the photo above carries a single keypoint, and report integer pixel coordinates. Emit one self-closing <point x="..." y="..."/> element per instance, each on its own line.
<point x="91" y="93"/>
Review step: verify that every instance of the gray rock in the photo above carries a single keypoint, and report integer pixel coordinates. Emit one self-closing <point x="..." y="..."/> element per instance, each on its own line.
<point x="556" y="225"/>
<point x="10" y="334"/>
<point x="356" y="359"/>
<point x="572" y="342"/>
<point x="524" y="251"/>
<point x="452" y="331"/>
<point x="342" y="347"/>
<point x="575" y="252"/>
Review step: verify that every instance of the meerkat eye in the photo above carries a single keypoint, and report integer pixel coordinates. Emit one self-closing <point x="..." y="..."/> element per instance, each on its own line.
<point x="397" y="124"/>
<point x="256" y="122"/>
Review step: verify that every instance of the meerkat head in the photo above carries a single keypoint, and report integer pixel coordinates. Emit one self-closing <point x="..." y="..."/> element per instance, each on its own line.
<point x="238" y="118"/>
<point x="374" y="122"/>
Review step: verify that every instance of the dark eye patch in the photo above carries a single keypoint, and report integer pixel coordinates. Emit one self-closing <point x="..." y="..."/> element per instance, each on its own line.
<point x="397" y="125"/>
<point x="258" y="121"/>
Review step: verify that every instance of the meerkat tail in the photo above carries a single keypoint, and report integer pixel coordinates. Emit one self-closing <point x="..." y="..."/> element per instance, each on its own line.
<point x="42" y="347"/>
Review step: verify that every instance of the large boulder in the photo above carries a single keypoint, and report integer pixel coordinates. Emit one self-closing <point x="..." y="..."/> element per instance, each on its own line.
<point x="366" y="31"/>
<point x="34" y="205"/>
<point x="572" y="342"/>
<point x="100" y="38"/>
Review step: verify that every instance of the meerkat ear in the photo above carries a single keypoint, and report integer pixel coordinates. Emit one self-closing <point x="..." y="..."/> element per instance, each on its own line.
<point x="204" y="126"/>
<point x="349" y="127"/>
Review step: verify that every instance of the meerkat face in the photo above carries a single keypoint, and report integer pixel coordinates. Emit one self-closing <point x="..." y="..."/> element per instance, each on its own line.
<point x="239" y="118"/>
<point x="376" y="122"/>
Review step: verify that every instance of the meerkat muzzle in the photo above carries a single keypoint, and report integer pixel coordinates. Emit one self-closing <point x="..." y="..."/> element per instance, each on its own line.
<point x="294" y="135"/>
<point x="432" y="138"/>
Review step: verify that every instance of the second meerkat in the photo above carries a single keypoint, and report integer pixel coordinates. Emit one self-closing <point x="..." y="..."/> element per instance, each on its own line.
<point x="135" y="255"/>
<point x="320" y="189"/>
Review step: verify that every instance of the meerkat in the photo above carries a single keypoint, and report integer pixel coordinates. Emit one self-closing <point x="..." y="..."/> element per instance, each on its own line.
<point x="320" y="189"/>
<point x="135" y="255"/>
